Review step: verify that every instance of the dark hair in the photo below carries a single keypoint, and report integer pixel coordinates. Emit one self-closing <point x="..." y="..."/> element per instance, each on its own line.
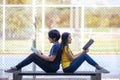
<point x="64" y="41"/>
<point x="54" y="34"/>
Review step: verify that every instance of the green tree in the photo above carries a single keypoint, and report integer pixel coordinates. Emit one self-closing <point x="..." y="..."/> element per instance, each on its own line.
<point x="17" y="21"/>
<point x="18" y="1"/>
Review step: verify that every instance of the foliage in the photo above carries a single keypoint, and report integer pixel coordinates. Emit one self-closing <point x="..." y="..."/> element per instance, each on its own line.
<point x="58" y="1"/>
<point x="1" y="1"/>
<point x="17" y="20"/>
<point x="18" y="1"/>
<point x="102" y="17"/>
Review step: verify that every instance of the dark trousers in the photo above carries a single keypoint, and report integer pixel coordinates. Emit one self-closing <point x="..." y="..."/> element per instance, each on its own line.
<point x="45" y="65"/>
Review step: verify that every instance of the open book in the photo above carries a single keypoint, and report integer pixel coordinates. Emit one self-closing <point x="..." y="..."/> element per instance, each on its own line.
<point x="88" y="44"/>
<point x="35" y="50"/>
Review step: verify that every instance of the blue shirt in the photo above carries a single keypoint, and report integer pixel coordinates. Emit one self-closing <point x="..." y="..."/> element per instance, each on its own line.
<point x="56" y="50"/>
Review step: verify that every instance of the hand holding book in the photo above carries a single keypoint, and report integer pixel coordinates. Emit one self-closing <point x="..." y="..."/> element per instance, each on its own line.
<point x="88" y="44"/>
<point x="36" y="51"/>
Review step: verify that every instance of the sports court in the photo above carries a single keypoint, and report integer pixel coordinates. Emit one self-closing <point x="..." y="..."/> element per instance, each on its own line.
<point x="23" y="21"/>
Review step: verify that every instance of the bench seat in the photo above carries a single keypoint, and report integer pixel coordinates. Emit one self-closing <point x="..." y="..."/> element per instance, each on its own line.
<point x="18" y="74"/>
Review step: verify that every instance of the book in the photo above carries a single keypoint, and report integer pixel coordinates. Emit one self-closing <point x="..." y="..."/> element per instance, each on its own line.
<point x="88" y="44"/>
<point x="35" y="50"/>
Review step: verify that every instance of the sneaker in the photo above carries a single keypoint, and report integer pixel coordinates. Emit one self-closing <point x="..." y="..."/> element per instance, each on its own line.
<point x="102" y="70"/>
<point x="12" y="69"/>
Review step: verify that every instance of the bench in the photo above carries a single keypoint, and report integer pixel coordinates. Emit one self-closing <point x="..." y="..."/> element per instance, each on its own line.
<point x="93" y="75"/>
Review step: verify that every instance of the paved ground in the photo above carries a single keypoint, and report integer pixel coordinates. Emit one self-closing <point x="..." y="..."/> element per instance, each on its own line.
<point x="110" y="62"/>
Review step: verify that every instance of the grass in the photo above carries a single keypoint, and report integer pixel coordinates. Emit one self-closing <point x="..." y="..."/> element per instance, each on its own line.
<point x="23" y="46"/>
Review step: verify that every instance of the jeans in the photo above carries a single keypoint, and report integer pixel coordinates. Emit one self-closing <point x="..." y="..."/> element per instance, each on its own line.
<point x="47" y="66"/>
<point x="78" y="61"/>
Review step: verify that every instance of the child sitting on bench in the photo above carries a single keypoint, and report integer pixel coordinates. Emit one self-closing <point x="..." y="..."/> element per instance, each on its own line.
<point x="71" y="62"/>
<point x="48" y="63"/>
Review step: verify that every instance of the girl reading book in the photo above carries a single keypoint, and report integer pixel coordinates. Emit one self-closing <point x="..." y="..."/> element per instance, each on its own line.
<point x="71" y="62"/>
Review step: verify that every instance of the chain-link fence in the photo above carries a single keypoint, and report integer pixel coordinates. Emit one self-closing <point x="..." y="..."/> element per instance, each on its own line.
<point x="97" y="23"/>
<point x="17" y="27"/>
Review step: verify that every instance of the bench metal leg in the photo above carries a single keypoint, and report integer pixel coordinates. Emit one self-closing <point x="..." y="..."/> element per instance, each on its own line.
<point x="97" y="77"/>
<point x="16" y="76"/>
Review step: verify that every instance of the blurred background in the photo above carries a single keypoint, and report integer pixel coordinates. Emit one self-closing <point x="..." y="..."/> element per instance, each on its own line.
<point x="84" y="19"/>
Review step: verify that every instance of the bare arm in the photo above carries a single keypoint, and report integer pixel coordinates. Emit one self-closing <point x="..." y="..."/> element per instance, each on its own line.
<point x="72" y="56"/>
<point x="48" y="58"/>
